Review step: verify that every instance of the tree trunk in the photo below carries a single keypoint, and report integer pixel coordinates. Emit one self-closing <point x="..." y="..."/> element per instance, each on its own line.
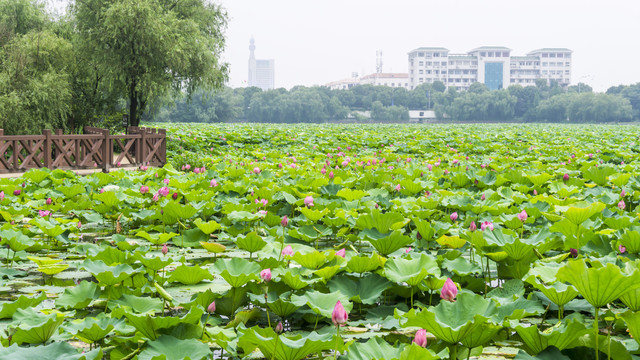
<point x="133" y="105"/>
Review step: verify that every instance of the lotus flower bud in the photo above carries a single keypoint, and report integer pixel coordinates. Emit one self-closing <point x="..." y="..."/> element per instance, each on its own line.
<point x="308" y="201"/>
<point x="453" y="216"/>
<point x="483" y="197"/>
<point x="621" y="205"/>
<point x="342" y="252"/>
<point x="473" y="226"/>
<point x="574" y="252"/>
<point x="279" y="328"/>
<point x="421" y="338"/>
<point x="287" y="251"/>
<point x="523" y="216"/>
<point x="165" y="249"/>
<point x="211" y="308"/>
<point x="285" y="221"/>
<point x="49" y="201"/>
<point x="339" y="315"/>
<point x="265" y="275"/>
<point x="449" y="290"/>
<point x="565" y="177"/>
<point x="256" y="170"/>
<point x="17" y="192"/>
<point x="398" y="187"/>
<point x="622" y="249"/>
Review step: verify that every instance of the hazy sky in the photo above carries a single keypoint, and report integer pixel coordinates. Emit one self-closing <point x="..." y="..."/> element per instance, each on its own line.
<point x="315" y="42"/>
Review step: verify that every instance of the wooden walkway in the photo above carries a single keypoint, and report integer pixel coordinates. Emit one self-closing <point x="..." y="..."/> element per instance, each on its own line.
<point x="96" y="148"/>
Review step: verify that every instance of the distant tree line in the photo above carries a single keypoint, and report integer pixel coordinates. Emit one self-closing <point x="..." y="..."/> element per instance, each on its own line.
<point x="535" y="103"/>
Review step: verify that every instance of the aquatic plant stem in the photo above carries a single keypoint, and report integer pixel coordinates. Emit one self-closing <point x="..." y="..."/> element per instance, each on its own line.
<point x="335" y="353"/>
<point x="595" y="325"/>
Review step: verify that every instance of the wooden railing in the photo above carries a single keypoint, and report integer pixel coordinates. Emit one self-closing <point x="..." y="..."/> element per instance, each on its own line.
<point x="93" y="149"/>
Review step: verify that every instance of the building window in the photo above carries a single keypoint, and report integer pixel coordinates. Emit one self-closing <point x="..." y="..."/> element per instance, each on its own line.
<point x="545" y="55"/>
<point x="444" y="63"/>
<point x="552" y="55"/>
<point x="428" y="71"/>
<point x="544" y="72"/>
<point x="545" y="64"/>
<point x="420" y="72"/>
<point x="560" y="55"/>
<point x="420" y="80"/>
<point x="421" y="63"/>
<point x="566" y="72"/>
<point x="567" y="64"/>
<point x="505" y="54"/>
<point x="436" y="54"/>
<point x="428" y="63"/>
<point x="420" y="54"/>
<point x="482" y="53"/>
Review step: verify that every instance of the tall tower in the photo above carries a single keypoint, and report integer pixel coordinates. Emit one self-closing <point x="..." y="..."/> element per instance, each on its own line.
<point x="252" y="63"/>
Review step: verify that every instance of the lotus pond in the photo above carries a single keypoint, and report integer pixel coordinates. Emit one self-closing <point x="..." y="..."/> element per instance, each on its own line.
<point x="243" y="245"/>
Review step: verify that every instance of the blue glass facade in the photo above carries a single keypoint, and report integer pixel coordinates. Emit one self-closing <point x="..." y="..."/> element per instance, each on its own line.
<point x="493" y="75"/>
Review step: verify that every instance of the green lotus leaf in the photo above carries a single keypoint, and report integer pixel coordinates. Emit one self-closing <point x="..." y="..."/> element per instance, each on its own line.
<point x="411" y="271"/>
<point x="137" y="304"/>
<point x="80" y="296"/>
<point x="578" y="215"/>
<point x="153" y="263"/>
<point x="34" y="327"/>
<point x="461" y="266"/>
<point x="310" y="233"/>
<point x="237" y="216"/>
<point x="322" y="303"/>
<point x="52" y="269"/>
<point x="631" y="239"/>
<point x="598" y="285"/>
<point x="108" y="275"/>
<point x="362" y="264"/>
<point x="167" y="347"/>
<point x="111" y="256"/>
<point x="619" y="222"/>
<point x="452" y="242"/>
<point x="148" y="325"/>
<point x="424" y="228"/>
<point x="16" y="240"/>
<point x="156" y="239"/>
<point x="8" y="308"/>
<point x="364" y="290"/>
<point x="108" y="198"/>
<point x="213" y="247"/>
<point x="391" y="243"/>
<point x="293" y="347"/>
<point x="374" y="349"/>
<point x="632" y="318"/>
<point x="294" y="281"/>
<point x="190" y="238"/>
<point x="252" y="242"/>
<point x="350" y="194"/>
<point x="94" y="329"/>
<point x="563" y="335"/>
<point x="328" y="272"/>
<point x="539" y="179"/>
<point x="518" y="309"/>
<point x="237" y="271"/>
<point x="467" y="320"/>
<point x="598" y="174"/>
<point x="383" y="222"/>
<point x="189" y="275"/>
<point x="558" y="293"/>
<point x="207" y="227"/>
<point x="631" y="299"/>
<point x="175" y="209"/>
<point x="37" y="175"/>
<point x="53" y="351"/>
<point x="415" y="352"/>
<point x="311" y="260"/>
<point x="48" y="228"/>
<point x="314" y="215"/>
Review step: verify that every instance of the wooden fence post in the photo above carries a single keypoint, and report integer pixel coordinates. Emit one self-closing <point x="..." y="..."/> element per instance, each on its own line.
<point x="163" y="147"/>
<point x="47" y="148"/>
<point x="106" y="151"/>
<point x="143" y="146"/>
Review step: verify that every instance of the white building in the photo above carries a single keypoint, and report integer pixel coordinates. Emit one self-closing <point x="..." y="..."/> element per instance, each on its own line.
<point x="386" y="79"/>
<point x="261" y="72"/>
<point x="344" y="84"/>
<point x="493" y="66"/>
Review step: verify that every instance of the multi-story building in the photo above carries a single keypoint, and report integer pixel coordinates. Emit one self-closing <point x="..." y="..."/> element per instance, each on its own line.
<point x="493" y="66"/>
<point x="261" y="72"/>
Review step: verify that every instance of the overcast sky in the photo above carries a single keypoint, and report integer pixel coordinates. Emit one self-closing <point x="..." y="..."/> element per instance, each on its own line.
<point x="315" y="42"/>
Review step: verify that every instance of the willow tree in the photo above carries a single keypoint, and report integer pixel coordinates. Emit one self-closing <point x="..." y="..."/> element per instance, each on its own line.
<point x="148" y="48"/>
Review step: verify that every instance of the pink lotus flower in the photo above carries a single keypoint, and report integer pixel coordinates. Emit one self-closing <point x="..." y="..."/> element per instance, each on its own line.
<point x="455" y="161"/>
<point x="144" y="189"/>
<point x="483" y="197"/>
<point x="79" y="225"/>
<point x="621" y="205"/>
<point x="156" y="197"/>
<point x="345" y="163"/>
<point x="1" y="195"/>
<point x="449" y="290"/>
<point x="565" y="177"/>
<point x="473" y="226"/>
<point x="165" y="249"/>
<point x="118" y="164"/>
<point x="174" y="196"/>
<point x="408" y="250"/>
<point x="377" y="206"/>
<point x="339" y="315"/>
<point x="262" y="213"/>
<point x="287" y="251"/>
<point x="573" y="252"/>
<point x="453" y="216"/>
<point x="429" y="166"/>
<point x="342" y="252"/>
<point x="256" y="170"/>
<point x="285" y="221"/>
<point x="622" y="194"/>
<point x="265" y="275"/>
<point x="17" y="192"/>
<point x="622" y="249"/>
<point x="44" y="213"/>
<point x="164" y="191"/>
<point x="421" y="338"/>
<point x="398" y="187"/>
<point x="166" y="181"/>
<point x="331" y="175"/>
<point x="308" y="201"/>
<point x="49" y="201"/>
<point x="523" y="216"/>
<point x="486" y="225"/>
<point x="213" y="183"/>
<point x="279" y="328"/>
<point x="535" y="192"/>
<point x="211" y="308"/>
<point x="264" y="202"/>
<point x="323" y="171"/>
<point x="187" y="166"/>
